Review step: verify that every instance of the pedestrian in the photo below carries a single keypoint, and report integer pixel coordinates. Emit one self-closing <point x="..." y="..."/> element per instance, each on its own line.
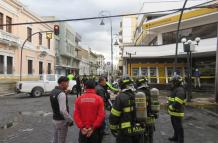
<point x="123" y="119"/>
<point x="197" y="78"/>
<point x="102" y="92"/>
<point x="60" y="108"/>
<point x="89" y="114"/>
<point x="84" y="80"/>
<point x="70" y="76"/>
<point x="176" y="103"/>
<point x="78" y="86"/>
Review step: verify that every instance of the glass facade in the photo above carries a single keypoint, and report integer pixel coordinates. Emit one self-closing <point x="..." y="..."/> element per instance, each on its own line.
<point x="203" y="31"/>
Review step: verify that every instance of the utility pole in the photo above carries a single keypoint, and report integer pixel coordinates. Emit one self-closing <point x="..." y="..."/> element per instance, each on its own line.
<point x="130" y="62"/>
<point x="216" y="76"/>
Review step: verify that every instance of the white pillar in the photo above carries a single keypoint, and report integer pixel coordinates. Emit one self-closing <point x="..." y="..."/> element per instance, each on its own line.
<point x="5" y="64"/>
<point x="157" y="75"/>
<point x="166" y="74"/>
<point x="140" y="71"/>
<point x="149" y="75"/>
<point x="159" y="39"/>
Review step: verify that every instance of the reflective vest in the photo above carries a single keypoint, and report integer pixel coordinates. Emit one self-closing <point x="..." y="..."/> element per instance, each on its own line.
<point x="123" y="116"/>
<point x="176" y="102"/>
<point x="70" y="77"/>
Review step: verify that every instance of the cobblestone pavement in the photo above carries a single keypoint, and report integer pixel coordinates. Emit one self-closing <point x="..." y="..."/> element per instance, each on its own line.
<point x="30" y="121"/>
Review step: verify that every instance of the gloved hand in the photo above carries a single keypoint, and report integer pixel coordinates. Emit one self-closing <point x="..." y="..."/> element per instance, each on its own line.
<point x="171" y="108"/>
<point x="70" y="124"/>
<point x="114" y="133"/>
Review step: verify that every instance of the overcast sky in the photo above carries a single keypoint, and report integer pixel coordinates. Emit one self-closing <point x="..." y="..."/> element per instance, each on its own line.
<point x="93" y="35"/>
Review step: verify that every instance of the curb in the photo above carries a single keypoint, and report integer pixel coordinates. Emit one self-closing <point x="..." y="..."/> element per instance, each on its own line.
<point x="8" y="94"/>
<point x="195" y="105"/>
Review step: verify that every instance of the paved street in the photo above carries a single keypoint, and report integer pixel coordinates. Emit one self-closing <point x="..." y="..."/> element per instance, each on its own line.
<point x="32" y="123"/>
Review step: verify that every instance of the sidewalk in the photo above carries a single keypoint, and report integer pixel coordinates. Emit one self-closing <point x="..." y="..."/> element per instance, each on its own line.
<point x="200" y="100"/>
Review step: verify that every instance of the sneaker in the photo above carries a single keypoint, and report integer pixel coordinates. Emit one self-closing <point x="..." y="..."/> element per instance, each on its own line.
<point x="173" y="139"/>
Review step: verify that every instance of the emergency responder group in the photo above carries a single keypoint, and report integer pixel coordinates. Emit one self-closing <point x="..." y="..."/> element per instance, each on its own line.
<point x="132" y="114"/>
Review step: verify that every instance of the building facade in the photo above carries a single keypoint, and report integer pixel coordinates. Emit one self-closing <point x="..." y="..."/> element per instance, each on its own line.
<point x="155" y="42"/>
<point x="84" y="64"/>
<point x="38" y="53"/>
<point x="101" y="64"/>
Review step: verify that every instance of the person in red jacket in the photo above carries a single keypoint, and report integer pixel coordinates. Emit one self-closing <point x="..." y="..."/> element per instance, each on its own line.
<point x="89" y="114"/>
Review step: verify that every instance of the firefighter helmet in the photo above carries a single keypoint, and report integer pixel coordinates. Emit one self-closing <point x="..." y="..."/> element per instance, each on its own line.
<point x="141" y="80"/>
<point x="125" y="81"/>
<point x="176" y="80"/>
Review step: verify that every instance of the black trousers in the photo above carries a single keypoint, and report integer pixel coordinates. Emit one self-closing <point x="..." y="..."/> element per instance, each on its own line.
<point x="129" y="139"/>
<point x="78" y="90"/>
<point x="92" y="139"/>
<point x="178" y="128"/>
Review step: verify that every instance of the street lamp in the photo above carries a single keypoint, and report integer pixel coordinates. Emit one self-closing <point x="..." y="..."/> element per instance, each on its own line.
<point x="104" y="13"/>
<point x="189" y="47"/>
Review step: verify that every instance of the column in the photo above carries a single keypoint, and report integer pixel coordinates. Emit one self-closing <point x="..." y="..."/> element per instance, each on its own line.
<point x="159" y="39"/>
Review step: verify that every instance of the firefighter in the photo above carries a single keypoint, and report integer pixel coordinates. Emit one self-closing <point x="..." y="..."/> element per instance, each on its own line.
<point x="142" y="86"/>
<point x="176" y="103"/>
<point x="123" y="122"/>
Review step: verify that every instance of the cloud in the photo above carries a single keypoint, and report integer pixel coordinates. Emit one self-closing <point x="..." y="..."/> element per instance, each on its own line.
<point x="95" y="36"/>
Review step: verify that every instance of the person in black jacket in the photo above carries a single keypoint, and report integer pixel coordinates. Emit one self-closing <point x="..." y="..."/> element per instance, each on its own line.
<point x="78" y="86"/>
<point x="142" y="86"/>
<point x="61" y="117"/>
<point x="122" y="119"/>
<point x="176" y="104"/>
<point x="101" y="91"/>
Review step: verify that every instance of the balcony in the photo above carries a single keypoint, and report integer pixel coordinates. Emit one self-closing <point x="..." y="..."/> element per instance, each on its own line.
<point x="65" y="53"/>
<point x="8" y="38"/>
<point x="44" y="51"/>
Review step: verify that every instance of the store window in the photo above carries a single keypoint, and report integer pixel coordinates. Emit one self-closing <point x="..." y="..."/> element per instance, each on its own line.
<point x="135" y="71"/>
<point x="153" y="74"/>
<point x="1" y="20"/>
<point x="9" y="65"/>
<point x="40" y="67"/>
<point x="9" y="22"/>
<point x="49" y="68"/>
<point x="144" y="71"/>
<point x="29" y="33"/>
<point x="49" y="43"/>
<point x="40" y="38"/>
<point x="30" y="66"/>
<point x="1" y="64"/>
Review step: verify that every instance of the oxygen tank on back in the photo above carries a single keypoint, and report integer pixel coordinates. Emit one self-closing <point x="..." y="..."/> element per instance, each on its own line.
<point x="155" y="105"/>
<point x="141" y="106"/>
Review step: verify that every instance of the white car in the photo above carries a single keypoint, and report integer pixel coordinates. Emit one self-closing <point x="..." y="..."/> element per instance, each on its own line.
<point x="45" y="84"/>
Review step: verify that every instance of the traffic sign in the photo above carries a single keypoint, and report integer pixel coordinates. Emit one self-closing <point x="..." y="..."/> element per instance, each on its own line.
<point x="48" y="35"/>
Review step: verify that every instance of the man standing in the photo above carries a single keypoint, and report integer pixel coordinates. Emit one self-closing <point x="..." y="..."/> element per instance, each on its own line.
<point x="197" y="78"/>
<point x="61" y="117"/>
<point x="101" y="90"/>
<point x="78" y="86"/>
<point x="123" y="121"/>
<point x="70" y="76"/>
<point x="89" y="114"/>
<point x="176" y="105"/>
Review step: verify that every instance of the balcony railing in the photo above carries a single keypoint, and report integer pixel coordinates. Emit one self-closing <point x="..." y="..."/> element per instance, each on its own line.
<point x="9" y="38"/>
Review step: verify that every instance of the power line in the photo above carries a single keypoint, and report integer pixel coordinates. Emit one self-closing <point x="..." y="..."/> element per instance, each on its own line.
<point x="168" y="1"/>
<point x="110" y="16"/>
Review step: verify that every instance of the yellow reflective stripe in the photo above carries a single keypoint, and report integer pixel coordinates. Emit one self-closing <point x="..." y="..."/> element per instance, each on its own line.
<point x="114" y="127"/>
<point x="111" y="87"/>
<point x="125" y="125"/>
<point x="115" y="112"/>
<point x="179" y="100"/>
<point x="171" y="99"/>
<point x="125" y="81"/>
<point x="171" y="107"/>
<point x="141" y="80"/>
<point x="176" y="114"/>
<point x="127" y="109"/>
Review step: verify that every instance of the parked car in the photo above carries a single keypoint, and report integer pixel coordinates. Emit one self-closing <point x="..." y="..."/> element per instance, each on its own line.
<point x="45" y="84"/>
